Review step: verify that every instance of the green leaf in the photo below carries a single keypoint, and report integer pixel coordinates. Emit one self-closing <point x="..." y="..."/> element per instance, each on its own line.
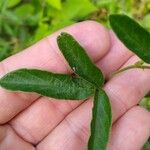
<point x="42" y="31"/>
<point x="4" y="53"/>
<point x="135" y="37"/>
<point x="55" y="3"/>
<point x="79" y="60"/>
<point x="8" y="30"/>
<point x="76" y="9"/>
<point x="4" y="49"/>
<point x="3" y="5"/>
<point x="101" y="123"/>
<point x="47" y="84"/>
<point x="12" y="3"/>
<point x="12" y="18"/>
<point x="24" y="11"/>
<point x="71" y="12"/>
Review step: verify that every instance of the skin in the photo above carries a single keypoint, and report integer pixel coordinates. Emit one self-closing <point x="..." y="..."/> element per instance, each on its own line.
<point x="29" y="121"/>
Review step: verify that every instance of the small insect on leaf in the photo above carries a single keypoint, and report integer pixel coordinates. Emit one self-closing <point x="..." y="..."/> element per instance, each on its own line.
<point x="48" y="84"/>
<point x="101" y="122"/>
<point x="134" y="36"/>
<point x="79" y="60"/>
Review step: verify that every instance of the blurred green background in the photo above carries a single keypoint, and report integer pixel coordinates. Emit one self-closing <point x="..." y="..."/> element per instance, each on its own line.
<point x="24" y="22"/>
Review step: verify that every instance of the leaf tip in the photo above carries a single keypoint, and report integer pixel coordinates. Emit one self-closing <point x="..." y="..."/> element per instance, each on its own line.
<point x="62" y="34"/>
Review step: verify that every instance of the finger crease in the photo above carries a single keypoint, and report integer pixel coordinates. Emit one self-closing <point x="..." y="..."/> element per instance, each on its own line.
<point x="77" y="131"/>
<point x="118" y="100"/>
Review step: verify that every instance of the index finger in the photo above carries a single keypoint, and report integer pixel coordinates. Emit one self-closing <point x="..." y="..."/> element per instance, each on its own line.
<point x="46" y="55"/>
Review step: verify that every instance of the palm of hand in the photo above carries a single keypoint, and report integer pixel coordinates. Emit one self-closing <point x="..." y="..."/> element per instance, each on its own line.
<point x="32" y="122"/>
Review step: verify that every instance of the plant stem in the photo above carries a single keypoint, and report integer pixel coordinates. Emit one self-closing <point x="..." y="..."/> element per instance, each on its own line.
<point x="131" y="67"/>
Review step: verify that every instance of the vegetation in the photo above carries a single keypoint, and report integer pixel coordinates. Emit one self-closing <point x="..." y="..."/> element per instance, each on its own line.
<point x="24" y="22"/>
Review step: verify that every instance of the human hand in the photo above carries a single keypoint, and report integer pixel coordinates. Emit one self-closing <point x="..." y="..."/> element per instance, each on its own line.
<point x="29" y="121"/>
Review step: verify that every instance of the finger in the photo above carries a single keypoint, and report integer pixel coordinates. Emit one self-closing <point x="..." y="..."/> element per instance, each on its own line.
<point x="131" y="131"/>
<point x="45" y="55"/>
<point x="115" y="58"/>
<point x="126" y="89"/>
<point x="50" y="113"/>
<point x="74" y="131"/>
<point x="10" y="140"/>
<point x="55" y="111"/>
